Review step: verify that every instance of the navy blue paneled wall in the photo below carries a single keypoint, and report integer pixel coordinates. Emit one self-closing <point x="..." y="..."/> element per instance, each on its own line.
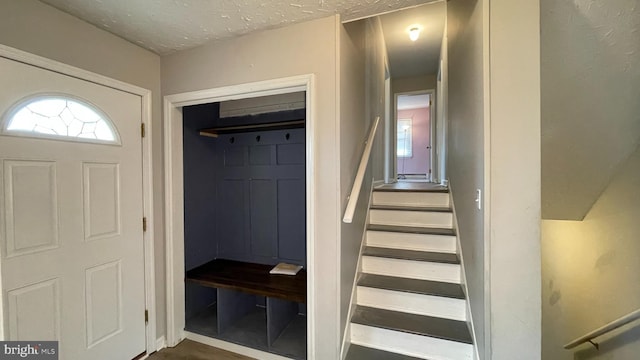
<point x="200" y="243"/>
<point x="257" y="193"/>
<point x="261" y="192"/>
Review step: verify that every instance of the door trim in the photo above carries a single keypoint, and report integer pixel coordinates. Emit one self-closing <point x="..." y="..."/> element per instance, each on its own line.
<point x="147" y="170"/>
<point x="432" y="137"/>
<point x="174" y="194"/>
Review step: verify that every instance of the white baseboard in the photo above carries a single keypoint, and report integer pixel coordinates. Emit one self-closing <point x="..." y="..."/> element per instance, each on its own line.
<point x="238" y="349"/>
<point x="161" y="343"/>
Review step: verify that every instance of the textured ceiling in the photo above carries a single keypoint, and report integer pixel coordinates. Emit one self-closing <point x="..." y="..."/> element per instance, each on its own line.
<point x="590" y="99"/>
<point x="409" y="58"/>
<point x="166" y="26"/>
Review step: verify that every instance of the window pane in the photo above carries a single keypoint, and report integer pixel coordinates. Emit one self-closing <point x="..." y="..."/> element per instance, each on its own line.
<point x="404" y="144"/>
<point x="60" y="117"/>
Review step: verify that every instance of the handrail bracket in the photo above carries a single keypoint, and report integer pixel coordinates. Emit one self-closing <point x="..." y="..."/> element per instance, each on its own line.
<point x="632" y="316"/>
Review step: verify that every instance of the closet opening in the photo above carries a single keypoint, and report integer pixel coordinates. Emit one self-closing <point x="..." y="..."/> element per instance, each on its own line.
<point x="244" y="175"/>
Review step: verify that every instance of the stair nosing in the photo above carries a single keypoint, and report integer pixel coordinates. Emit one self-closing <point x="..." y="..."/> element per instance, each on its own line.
<point x="467" y="339"/>
<point x="392" y="354"/>
<point x="392" y="253"/>
<point x="440" y="209"/>
<point x="412" y="229"/>
<point x="459" y="296"/>
<point x="437" y="191"/>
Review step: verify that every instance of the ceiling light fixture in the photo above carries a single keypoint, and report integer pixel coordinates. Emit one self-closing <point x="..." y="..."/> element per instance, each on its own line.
<point x="414" y="33"/>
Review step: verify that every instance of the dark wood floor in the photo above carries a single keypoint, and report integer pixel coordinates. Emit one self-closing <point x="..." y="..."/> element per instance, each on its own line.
<point x="191" y="350"/>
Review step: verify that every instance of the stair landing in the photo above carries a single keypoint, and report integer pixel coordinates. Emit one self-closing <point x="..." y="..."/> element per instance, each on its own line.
<point x="412" y="186"/>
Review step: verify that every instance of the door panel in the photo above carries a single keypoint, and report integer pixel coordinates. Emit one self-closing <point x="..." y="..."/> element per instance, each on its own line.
<point x="31" y="215"/>
<point x="34" y="311"/>
<point x="71" y="239"/>
<point x="101" y="184"/>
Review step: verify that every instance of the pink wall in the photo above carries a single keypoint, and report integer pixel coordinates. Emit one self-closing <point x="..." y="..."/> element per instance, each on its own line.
<point x="419" y="162"/>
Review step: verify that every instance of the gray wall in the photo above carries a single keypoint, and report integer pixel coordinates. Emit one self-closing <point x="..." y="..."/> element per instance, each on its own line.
<point x="466" y="144"/>
<point x="590" y="273"/>
<point x="494" y="146"/>
<point x="275" y="54"/>
<point x="37" y="28"/>
<point x="376" y="60"/>
<point x="590" y="91"/>
<point x="413" y="83"/>
<point x="591" y="171"/>
<point x="514" y="163"/>
<point x="353" y="130"/>
<point x="362" y="74"/>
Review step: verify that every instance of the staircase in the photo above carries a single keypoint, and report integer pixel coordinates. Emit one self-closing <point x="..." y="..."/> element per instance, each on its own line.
<point x="410" y="302"/>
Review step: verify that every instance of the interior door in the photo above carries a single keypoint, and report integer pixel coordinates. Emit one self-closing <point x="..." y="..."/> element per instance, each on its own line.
<point x="71" y="229"/>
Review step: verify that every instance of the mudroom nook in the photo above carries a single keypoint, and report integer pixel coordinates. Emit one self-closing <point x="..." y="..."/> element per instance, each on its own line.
<point x="245" y="212"/>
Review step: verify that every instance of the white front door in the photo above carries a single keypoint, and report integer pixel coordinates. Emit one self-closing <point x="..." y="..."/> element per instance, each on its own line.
<point x="71" y="220"/>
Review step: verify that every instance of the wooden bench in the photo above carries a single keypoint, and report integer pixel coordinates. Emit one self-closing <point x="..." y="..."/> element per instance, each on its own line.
<point x="250" y="278"/>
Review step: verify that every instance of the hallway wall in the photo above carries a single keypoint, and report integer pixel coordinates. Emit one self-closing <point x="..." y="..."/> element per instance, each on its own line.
<point x="494" y="148"/>
<point x="590" y="72"/>
<point x="353" y="127"/>
<point x="466" y="147"/>
<point x="413" y="83"/>
<point x="513" y="198"/>
<point x="590" y="273"/>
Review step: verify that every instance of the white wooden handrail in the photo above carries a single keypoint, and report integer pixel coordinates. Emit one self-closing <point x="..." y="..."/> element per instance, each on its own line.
<point x="635" y="315"/>
<point x="362" y="169"/>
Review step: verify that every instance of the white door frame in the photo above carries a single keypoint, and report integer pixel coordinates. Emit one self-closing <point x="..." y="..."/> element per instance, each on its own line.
<point x="147" y="171"/>
<point x="389" y="133"/>
<point x="174" y="194"/>
<point x="432" y="129"/>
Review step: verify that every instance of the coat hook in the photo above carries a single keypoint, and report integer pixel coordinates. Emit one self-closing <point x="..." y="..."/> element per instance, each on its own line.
<point x="595" y="345"/>
<point x="258" y="138"/>
<point x="232" y="140"/>
<point x="287" y="136"/>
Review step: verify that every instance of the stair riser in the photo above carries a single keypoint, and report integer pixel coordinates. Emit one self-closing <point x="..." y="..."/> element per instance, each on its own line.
<point x="436" y="306"/>
<point x="411" y="199"/>
<point x="422" y="270"/>
<point x="423" y="347"/>
<point x="406" y="241"/>
<point x="412" y="218"/>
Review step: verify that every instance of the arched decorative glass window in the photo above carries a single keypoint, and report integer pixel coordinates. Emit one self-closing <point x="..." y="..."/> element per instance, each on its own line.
<point x="60" y="117"/>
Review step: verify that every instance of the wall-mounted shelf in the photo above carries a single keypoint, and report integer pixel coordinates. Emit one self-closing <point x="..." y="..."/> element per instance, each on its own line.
<point x="283" y="125"/>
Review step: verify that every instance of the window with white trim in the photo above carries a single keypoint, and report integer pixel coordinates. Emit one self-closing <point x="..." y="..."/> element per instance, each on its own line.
<point x="60" y="117"/>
